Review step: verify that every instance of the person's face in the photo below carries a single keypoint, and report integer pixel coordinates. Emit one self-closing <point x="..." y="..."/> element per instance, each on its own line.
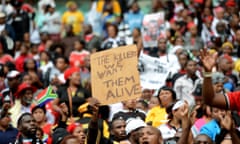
<point x="118" y="129"/>
<point x="75" y="78"/>
<point x="27" y="79"/>
<point x="217" y="113"/>
<point x="146" y="94"/>
<point x="23" y="49"/>
<point x="79" y="132"/>
<point x="153" y="102"/>
<point x="78" y="46"/>
<point x="130" y="104"/>
<point x="72" y="141"/>
<point x="227" y="50"/>
<point x="140" y="106"/>
<point x="44" y="57"/>
<point x="202" y="139"/>
<point x="59" y="51"/>
<point x="35" y="49"/>
<point x="182" y="60"/>
<point x="179" y="41"/>
<point x="165" y="97"/>
<point x="13" y="82"/>
<point x="193" y="31"/>
<point x="208" y="23"/>
<point x="191" y="67"/>
<point x="26" y="37"/>
<point x="5" y="121"/>
<point x="111" y="32"/>
<point x="27" y="97"/>
<point x="60" y="64"/>
<point x="39" y="115"/>
<point x="28" y="126"/>
<point x="135" y="7"/>
<point x="220" y="14"/>
<point x="225" y="65"/>
<point x="238" y="36"/>
<point x="148" y="135"/>
<point x="218" y="87"/>
<point x="39" y="134"/>
<point x="30" y="64"/>
<point x="135" y="33"/>
<point x="162" y="45"/>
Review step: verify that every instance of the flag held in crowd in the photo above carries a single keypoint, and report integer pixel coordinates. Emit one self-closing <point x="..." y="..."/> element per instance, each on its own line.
<point x="45" y="96"/>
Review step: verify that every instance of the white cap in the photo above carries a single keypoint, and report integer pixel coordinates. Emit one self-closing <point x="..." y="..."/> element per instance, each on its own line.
<point x="2" y="15"/>
<point x="133" y="124"/>
<point x="178" y="104"/>
<point x="12" y="74"/>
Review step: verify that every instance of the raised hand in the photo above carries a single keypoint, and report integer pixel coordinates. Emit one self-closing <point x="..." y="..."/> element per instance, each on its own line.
<point x="208" y="60"/>
<point x="226" y="121"/>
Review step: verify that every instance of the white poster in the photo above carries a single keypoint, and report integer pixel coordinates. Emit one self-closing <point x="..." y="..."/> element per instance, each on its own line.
<point x="153" y="72"/>
<point x="153" y="27"/>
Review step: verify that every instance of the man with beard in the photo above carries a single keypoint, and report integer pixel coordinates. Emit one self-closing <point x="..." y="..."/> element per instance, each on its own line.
<point x="27" y="127"/>
<point x="24" y="97"/>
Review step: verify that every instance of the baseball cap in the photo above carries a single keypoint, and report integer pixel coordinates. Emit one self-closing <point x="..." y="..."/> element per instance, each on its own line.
<point x="178" y="104"/>
<point x="13" y="74"/>
<point x="134" y="124"/>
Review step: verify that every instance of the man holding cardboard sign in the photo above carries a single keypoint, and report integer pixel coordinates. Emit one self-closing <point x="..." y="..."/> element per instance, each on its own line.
<point x="114" y="75"/>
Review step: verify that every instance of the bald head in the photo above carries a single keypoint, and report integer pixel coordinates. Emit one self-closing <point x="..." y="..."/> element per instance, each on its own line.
<point x="202" y="138"/>
<point x="150" y="135"/>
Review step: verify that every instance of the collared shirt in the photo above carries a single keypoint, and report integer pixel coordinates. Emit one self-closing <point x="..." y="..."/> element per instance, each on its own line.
<point x="184" y="87"/>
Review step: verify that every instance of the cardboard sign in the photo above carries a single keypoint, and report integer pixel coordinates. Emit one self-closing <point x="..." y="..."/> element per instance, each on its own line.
<point x="153" y="27"/>
<point x="153" y="72"/>
<point x="114" y="75"/>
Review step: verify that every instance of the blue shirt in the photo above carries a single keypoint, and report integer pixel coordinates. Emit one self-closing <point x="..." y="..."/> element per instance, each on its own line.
<point x="211" y="129"/>
<point x="134" y="20"/>
<point x="8" y="136"/>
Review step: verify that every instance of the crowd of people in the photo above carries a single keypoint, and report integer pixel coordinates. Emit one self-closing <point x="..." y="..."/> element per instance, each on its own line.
<point x="47" y="53"/>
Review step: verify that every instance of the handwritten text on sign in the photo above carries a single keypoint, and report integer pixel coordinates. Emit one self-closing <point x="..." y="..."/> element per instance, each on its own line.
<point x="114" y="75"/>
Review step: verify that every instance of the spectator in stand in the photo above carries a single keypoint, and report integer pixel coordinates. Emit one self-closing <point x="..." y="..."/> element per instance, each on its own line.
<point x="30" y="67"/>
<point x="52" y="23"/>
<point x="77" y="130"/>
<point x="24" y="55"/>
<point x="73" y="17"/>
<point x="77" y="56"/>
<point x="27" y="127"/>
<point x="113" y="40"/>
<point x="134" y="16"/>
<point x="6" y="27"/>
<point x="157" y="115"/>
<point x="92" y="41"/>
<point x="39" y="115"/>
<point x="67" y="40"/>
<point x="8" y="133"/>
<point x="218" y="18"/>
<point x="24" y="98"/>
<point x="20" y="21"/>
<point x="72" y="89"/>
<point x="185" y="84"/>
<point x="153" y="102"/>
<point x="45" y="62"/>
<point x="4" y="56"/>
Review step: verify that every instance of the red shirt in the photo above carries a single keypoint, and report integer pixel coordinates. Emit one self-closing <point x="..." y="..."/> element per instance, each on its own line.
<point x="19" y="62"/>
<point x="233" y="100"/>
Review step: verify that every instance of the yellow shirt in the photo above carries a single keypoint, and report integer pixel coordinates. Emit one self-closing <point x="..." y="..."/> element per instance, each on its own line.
<point x="75" y="19"/>
<point x="116" y="7"/>
<point x="157" y="116"/>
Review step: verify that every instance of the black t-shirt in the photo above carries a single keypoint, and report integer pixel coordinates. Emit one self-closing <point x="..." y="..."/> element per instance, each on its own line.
<point x="78" y="99"/>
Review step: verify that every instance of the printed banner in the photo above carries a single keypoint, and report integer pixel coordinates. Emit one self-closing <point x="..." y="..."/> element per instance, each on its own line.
<point x="152" y="28"/>
<point x="153" y="72"/>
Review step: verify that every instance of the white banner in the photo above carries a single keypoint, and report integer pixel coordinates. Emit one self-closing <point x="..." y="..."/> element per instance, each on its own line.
<point x="153" y="72"/>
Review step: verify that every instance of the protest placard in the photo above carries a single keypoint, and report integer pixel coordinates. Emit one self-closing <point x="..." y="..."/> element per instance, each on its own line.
<point x="153" y="27"/>
<point x="153" y="72"/>
<point x="114" y="75"/>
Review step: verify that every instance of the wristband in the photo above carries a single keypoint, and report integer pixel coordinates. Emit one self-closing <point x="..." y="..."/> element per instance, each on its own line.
<point x="207" y="74"/>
